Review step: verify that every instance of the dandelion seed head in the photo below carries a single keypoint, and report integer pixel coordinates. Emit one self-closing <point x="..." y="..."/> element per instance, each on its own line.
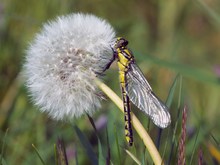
<point x="63" y="61"/>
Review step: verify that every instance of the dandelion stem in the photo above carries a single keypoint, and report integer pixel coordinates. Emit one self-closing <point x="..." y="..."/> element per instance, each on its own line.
<point x="136" y="123"/>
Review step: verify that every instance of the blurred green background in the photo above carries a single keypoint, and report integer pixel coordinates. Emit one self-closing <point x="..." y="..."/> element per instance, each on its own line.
<point x="168" y="38"/>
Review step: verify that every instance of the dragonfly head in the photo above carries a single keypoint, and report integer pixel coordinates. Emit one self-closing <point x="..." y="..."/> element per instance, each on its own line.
<point x="120" y="43"/>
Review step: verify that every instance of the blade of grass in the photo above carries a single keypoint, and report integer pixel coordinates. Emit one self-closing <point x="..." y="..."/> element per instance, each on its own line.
<point x="168" y="103"/>
<point x="55" y="154"/>
<point x="166" y="144"/>
<point x="93" y="124"/>
<point x="186" y="70"/>
<point x="194" y="147"/>
<point x="3" y="162"/>
<point x="215" y="140"/>
<point x="101" y="158"/>
<point x="180" y="92"/>
<point x="210" y="12"/>
<point x="173" y="142"/>
<point x="136" y="123"/>
<point x="7" y="103"/>
<point x="176" y="123"/>
<point x="87" y="146"/>
<point x="117" y="144"/>
<point x="172" y="90"/>
<point x="3" y="146"/>
<point x="143" y="158"/>
<point x="133" y="157"/>
<point x="108" y="158"/>
<point x="38" y="154"/>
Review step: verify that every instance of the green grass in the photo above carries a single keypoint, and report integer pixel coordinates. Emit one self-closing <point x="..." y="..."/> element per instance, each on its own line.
<point x="167" y="39"/>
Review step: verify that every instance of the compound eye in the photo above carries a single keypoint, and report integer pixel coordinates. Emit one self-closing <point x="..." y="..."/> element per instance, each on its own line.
<point x="121" y="42"/>
<point x="124" y="42"/>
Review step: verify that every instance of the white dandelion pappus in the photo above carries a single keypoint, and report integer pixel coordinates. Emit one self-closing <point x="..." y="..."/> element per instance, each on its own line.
<point x="63" y="61"/>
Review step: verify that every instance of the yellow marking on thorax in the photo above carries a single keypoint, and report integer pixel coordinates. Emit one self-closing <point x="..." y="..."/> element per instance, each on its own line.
<point x="122" y="59"/>
<point x="122" y="65"/>
<point x="128" y="52"/>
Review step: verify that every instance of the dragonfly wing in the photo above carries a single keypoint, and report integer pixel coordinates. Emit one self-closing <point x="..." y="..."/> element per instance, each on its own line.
<point x="140" y="93"/>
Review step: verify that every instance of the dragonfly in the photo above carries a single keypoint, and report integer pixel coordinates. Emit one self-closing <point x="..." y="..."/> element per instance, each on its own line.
<point x="135" y="88"/>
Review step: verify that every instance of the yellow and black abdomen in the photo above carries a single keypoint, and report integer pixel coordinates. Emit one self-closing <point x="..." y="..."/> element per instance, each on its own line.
<point x="123" y="65"/>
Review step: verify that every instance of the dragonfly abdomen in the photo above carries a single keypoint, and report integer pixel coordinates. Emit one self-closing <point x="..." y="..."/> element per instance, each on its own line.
<point x="127" y="117"/>
<point x="123" y="68"/>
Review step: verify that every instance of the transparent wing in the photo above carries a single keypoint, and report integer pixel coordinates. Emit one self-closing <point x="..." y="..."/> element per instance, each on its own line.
<point x="140" y="93"/>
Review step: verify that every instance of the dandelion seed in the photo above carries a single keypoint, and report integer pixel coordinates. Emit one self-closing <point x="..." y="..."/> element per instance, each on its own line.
<point x="63" y="61"/>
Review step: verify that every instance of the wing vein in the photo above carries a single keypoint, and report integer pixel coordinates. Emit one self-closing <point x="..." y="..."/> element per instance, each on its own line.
<point x="141" y="95"/>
